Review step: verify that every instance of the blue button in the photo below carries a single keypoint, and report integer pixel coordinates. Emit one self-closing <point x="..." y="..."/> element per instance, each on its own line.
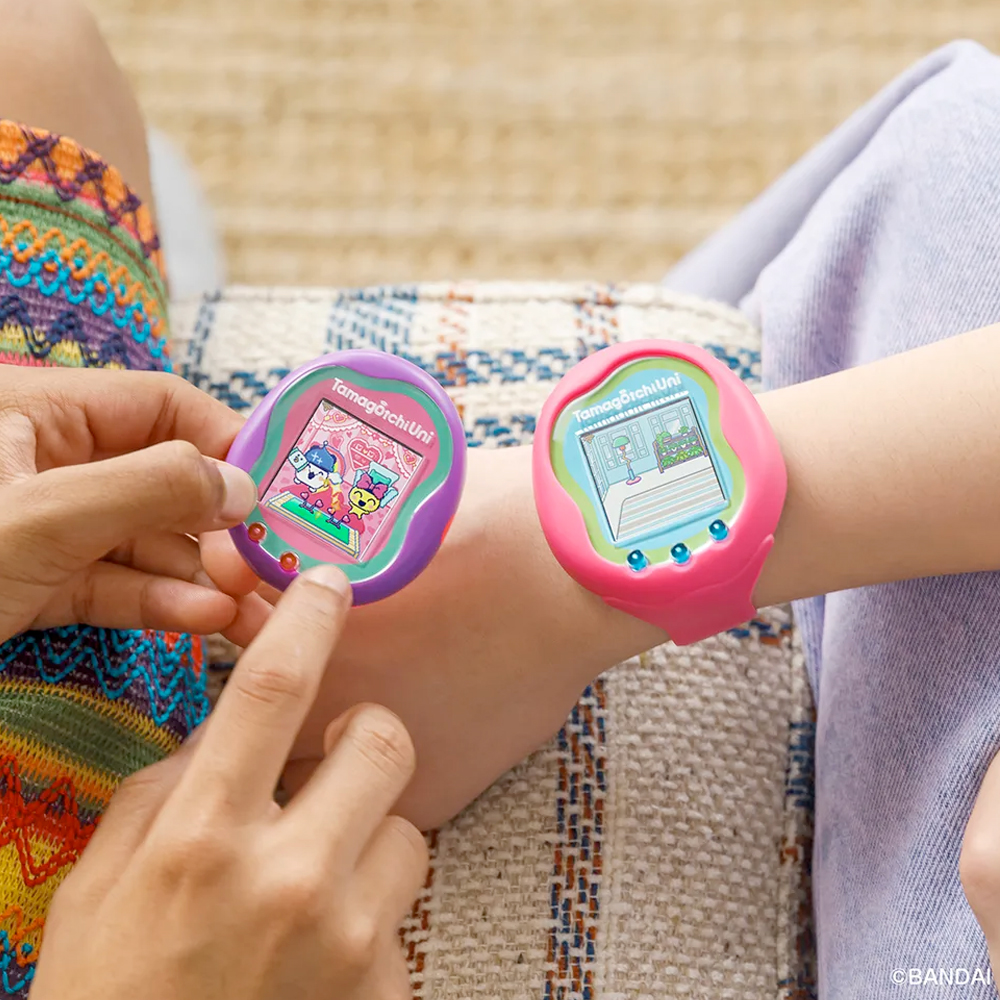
<point x="718" y="530"/>
<point x="637" y="560"/>
<point x="680" y="552"/>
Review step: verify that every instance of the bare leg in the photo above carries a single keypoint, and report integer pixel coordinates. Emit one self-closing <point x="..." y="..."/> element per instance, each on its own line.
<point x="59" y="75"/>
<point x="80" y="285"/>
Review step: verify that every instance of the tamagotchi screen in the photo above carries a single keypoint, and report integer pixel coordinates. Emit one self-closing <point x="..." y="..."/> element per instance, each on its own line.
<point x="652" y="470"/>
<point x="343" y="481"/>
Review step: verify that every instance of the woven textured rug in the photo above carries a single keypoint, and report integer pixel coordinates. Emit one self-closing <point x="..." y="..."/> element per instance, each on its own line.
<point x="659" y="846"/>
<point x="359" y="141"/>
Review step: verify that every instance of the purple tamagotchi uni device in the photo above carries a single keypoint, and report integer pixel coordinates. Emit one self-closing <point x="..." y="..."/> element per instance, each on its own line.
<point x="359" y="460"/>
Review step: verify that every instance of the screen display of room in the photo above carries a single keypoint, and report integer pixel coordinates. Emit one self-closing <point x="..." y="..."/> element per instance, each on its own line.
<point x="653" y="470"/>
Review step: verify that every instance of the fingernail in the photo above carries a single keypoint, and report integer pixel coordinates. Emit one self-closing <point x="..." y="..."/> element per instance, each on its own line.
<point x="329" y="577"/>
<point x="240" y="495"/>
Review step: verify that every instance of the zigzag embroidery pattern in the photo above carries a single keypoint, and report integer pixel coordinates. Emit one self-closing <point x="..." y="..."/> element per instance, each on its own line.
<point x="65" y="339"/>
<point x="118" y="659"/>
<point x="52" y="817"/>
<point x="49" y="155"/>
<point x="14" y="978"/>
<point x="82" y="276"/>
<point x="17" y="956"/>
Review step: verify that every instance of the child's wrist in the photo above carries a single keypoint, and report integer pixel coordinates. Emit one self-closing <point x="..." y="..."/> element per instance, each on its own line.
<point x="581" y="627"/>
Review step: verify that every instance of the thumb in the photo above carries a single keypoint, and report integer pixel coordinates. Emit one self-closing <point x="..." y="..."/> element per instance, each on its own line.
<point x="65" y="518"/>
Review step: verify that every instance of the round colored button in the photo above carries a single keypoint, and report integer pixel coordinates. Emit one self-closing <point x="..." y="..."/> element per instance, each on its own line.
<point x="637" y="560"/>
<point x="718" y="530"/>
<point x="680" y="552"/>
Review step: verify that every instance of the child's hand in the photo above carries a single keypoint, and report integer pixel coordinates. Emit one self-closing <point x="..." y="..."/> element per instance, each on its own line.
<point x="482" y="656"/>
<point x="102" y="481"/>
<point x="197" y="885"/>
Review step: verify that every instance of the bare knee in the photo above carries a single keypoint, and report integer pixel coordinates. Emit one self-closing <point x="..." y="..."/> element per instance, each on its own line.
<point x="59" y="75"/>
<point x="46" y="21"/>
<point x="49" y="43"/>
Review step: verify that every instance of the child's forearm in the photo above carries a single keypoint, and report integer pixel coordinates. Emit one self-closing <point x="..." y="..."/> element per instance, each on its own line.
<point x="893" y="471"/>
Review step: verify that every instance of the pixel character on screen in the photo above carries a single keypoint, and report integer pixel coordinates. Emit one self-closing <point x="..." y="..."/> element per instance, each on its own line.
<point x="319" y="470"/>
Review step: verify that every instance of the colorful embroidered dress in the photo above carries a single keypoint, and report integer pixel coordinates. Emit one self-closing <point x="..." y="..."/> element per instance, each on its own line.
<point x="81" y="285"/>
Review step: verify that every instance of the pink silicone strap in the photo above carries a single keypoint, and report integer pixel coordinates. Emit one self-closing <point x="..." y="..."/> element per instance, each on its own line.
<point x="707" y="611"/>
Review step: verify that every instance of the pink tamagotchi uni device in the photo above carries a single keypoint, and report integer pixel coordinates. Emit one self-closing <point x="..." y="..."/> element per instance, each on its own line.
<point x="659" y="484"/>
<point x="359" y="460"/>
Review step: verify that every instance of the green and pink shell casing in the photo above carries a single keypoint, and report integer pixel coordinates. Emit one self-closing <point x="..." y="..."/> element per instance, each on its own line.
<point x="659" y="484"/>
<point x="359" y="460"/>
